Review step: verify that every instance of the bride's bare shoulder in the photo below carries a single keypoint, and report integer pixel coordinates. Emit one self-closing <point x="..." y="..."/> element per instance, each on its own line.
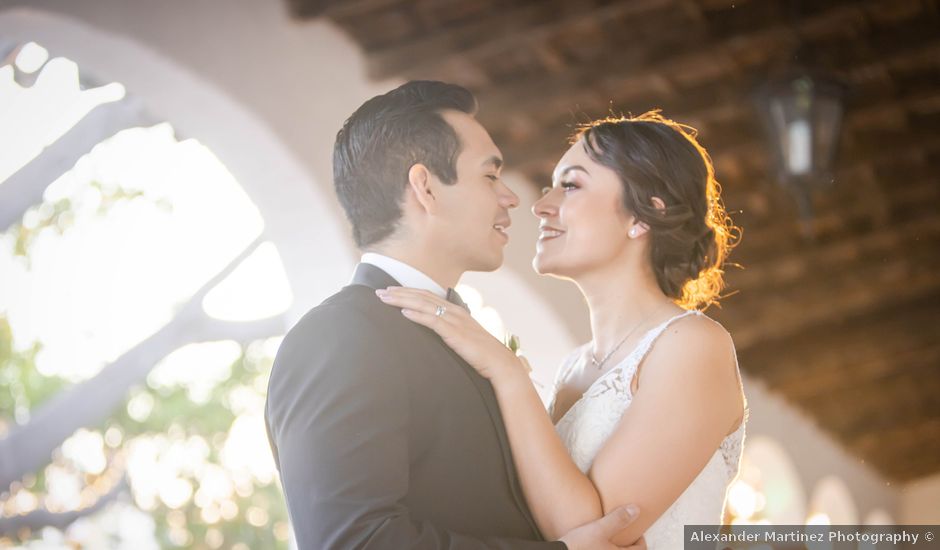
<point x="698" y="351"/>
<point x="694" y="342"/>
<point x="699" y="329"/>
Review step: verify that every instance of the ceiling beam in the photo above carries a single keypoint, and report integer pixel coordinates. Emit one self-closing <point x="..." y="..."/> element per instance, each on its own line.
<point x="578" y="84"/>
<point x="828" y="300"/>
<point x="781" y="271"/>
<point x="906" y="452"/>
<point x="725" y="109"/>
<point x="501" y="30"/>
<point x="336" y="9"/>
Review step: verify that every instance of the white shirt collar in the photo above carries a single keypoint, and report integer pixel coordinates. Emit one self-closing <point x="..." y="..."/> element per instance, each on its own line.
<point x="403" y="273"/>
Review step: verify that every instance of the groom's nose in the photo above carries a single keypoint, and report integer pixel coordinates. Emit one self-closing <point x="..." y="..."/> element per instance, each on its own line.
<point x="507" y="199"/>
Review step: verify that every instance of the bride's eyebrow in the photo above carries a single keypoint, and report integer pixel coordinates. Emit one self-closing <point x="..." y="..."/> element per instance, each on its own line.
<point x="567" y="169"/>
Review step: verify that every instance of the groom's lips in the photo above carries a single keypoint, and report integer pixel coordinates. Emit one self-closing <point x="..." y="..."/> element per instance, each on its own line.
<point x="501" y="227"/>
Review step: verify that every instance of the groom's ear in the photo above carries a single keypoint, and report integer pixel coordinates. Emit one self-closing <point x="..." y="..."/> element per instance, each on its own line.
<point x="420" y="185"/>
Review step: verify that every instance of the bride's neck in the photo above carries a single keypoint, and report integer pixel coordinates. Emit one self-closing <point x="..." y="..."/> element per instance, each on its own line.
<point x="621" y="297"/>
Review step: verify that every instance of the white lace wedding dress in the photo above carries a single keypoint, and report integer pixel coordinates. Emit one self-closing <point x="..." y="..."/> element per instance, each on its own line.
<point x="590" y="421"/>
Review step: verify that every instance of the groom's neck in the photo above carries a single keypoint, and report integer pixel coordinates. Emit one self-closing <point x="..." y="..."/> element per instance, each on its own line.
<point x="435" y="265"/>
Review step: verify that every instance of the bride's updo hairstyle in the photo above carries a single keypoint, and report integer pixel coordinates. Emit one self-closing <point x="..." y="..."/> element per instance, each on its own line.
<point x="658" y="157"/>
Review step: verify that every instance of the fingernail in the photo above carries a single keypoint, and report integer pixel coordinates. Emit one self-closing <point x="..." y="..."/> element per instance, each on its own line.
<point x="380" y="292"/>
<point x="632" y="510"/>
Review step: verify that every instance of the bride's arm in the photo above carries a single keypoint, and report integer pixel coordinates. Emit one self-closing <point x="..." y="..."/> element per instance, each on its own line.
<point x="559" y="495"/>
<point x="687" y="404"/>
<point x="669" y="432"/>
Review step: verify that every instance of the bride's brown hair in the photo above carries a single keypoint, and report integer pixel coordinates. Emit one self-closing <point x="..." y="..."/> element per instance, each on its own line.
<point x="657" y="157"/>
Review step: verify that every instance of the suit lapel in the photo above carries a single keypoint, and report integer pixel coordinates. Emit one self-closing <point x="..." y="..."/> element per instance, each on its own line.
<point x="373" y="277"/>
<point x="485" y="389"/>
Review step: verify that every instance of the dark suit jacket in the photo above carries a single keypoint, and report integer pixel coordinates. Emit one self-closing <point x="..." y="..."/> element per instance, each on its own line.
<point x="385" y="438"/>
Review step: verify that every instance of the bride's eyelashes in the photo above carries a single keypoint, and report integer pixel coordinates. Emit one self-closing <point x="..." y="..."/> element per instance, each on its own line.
<point x="565" y="185"/>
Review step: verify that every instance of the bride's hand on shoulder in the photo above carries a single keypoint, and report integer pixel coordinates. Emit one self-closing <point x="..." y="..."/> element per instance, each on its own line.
<point x="459" y="330"/>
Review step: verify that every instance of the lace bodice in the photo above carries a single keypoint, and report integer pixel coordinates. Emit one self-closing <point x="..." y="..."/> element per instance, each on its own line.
<point x="590" y="421"/>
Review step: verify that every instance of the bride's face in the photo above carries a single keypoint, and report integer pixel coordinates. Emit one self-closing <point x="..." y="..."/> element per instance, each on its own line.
<point x="583" y="224"/>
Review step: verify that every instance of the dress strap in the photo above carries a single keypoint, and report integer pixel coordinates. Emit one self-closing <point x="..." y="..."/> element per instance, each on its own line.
<point x="631" y="368"/>
<point x="654" y="333"/>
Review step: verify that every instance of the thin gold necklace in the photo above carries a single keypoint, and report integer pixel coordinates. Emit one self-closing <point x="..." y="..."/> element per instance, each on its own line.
<point x="600" y="364"/>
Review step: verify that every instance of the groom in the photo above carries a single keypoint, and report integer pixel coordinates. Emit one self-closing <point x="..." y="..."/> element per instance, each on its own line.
<point x="385" y="438"/>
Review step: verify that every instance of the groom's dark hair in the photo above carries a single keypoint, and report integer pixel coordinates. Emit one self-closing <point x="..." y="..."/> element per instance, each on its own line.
<point x="380" y="142"/>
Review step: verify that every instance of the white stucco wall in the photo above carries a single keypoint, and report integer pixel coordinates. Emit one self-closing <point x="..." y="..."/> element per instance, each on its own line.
<point x="309" y="231"/>
<point x="814" y="454"/>
<point x="920" y="502"/>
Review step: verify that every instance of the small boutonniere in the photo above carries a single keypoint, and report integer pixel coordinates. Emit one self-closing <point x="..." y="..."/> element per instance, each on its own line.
<point x="512" y="342"/>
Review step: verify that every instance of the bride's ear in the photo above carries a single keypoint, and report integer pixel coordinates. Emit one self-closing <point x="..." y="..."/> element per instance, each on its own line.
<point x="639" y="227"/>
<point x="658" y="204"/>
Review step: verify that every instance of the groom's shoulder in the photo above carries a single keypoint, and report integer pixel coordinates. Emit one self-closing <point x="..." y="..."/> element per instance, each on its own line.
<point x="336" y="347"/>
<point x="354" y="307"/>
<point x="352" y="324"/>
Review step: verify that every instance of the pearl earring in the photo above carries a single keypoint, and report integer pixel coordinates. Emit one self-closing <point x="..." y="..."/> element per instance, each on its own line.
<point x="633" y="232"/>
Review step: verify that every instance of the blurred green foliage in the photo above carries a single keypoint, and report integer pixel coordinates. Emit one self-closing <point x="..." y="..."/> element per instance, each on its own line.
<point x="258" y="519"/>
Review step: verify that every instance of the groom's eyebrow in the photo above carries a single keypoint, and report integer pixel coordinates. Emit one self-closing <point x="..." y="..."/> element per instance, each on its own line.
<point x="495" y="161"/>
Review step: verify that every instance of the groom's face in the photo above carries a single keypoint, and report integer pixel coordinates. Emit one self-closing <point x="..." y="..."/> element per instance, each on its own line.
<point x="474" y="211"/>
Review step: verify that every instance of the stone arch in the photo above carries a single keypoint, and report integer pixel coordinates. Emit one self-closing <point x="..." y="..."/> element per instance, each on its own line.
<point x="311" y="238"/>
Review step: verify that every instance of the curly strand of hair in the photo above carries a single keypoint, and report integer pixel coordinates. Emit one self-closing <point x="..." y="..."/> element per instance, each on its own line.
<point x="704" y="289"/>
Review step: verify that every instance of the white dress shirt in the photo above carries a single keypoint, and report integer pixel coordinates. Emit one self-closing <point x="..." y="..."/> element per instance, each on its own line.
<point x="403" y="273"/>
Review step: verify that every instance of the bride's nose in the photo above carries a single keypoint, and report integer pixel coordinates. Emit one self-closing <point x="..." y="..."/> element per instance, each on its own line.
<point x="547" y="206"/>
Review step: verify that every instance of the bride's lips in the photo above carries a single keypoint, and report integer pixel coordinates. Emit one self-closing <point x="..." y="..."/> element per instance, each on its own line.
<point x="547" y="233"/>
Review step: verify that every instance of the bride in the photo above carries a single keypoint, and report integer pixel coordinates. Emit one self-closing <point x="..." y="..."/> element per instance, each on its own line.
<point x="651" y="411"/>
